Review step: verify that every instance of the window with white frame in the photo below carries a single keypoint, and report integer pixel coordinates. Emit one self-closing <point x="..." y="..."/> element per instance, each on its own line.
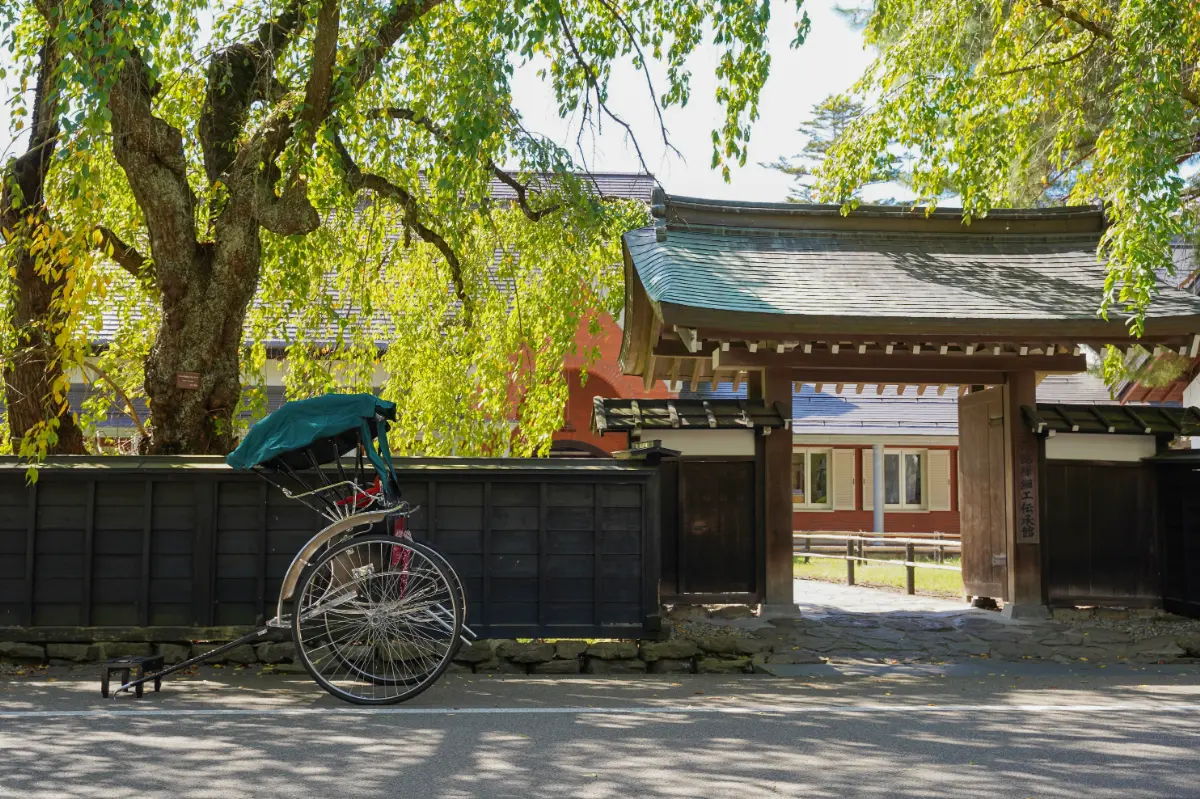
<point x="904" y="478"/>
<point x="810" y="478"/>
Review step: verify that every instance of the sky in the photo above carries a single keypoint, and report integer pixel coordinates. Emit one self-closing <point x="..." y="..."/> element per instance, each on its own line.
<point x="830" y="61"/>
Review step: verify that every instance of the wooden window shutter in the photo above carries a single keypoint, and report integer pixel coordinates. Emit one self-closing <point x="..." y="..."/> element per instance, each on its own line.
<point x="843" y="479"/>
<point x="868" y="481"/>
<point x="939" y="479"/>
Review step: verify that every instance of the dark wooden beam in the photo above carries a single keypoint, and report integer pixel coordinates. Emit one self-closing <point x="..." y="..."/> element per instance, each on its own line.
<point x="744" y="325"/>
<point x="947" y="377"/>
<point x="897" y="361"/>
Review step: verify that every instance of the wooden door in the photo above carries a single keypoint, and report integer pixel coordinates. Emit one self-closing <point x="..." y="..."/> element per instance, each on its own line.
<point x="983" y="505"/>
<point x="716" y="527"/>
<point x="1179" y="499"/>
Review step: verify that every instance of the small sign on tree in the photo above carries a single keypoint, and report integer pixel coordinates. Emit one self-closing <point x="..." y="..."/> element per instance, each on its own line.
<point x="189" y="381"/>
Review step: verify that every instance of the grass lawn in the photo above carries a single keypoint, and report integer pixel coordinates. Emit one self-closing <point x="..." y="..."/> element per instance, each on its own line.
<point x="929" y="581"/>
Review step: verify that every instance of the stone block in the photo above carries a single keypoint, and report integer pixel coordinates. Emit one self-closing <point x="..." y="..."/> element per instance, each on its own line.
<point x="677" y="649"/>
<point x="1190" y="644"/>
<point x="671" y="666"/>
<point x="734" y="665"/>
<point x="500" y="666"/>
<point x="732" y="612"/>
<point x="561" y="666"/>
<point x="273" y="652"/>
<point x="74" y="653"/>
<point x="753" y="646"/>
<point x="610" y="666"/>
<point x="124" y="649"/>
<point x="717" y="644"/>
<point x="612" y="650"/>
<point x="459" y="668"/>
<point x="687" y="612"/>
<point x="173" y="653"/>
<point x="16" y="650"/>
<point x="569" y="650"/>
<point x="243" y="654"/>
<point x="476" y="652"/>
<point x="526" y="653"/>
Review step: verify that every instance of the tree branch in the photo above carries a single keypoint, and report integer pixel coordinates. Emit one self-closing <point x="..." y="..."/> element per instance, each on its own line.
<point x="519" y="189"/>
<point x="126" y="255"/>
<point x="594" y="83"/>
<point x="320" y="76"/>
<point x="131" y="411"/>
<point x="357" y="180"/>
<point x="630" y="34"/>
<point x="1055" y="63"/>
<point x="404" y="13"/>
<point x="239" y="75"/>
<point x="1099" y="30"/>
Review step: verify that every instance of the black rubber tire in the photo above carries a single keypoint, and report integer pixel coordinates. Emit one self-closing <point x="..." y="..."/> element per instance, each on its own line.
<point x="412" y="688"/>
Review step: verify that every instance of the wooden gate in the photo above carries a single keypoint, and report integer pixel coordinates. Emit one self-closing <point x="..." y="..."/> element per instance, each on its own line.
<point x="1099" y="534"/>
<point x="982" y="502"/>
<point x="1179" y="519"/>
<point x="716" y="550"/>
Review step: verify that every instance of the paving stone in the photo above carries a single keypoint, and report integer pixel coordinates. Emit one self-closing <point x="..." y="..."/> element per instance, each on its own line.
<point x="570" y="650"/>
<point x="1160" y="646"/>
<point x="1190" y="644"/>
<point x="1103" y="635"/>
<point x="609" y="666"/>
<point x="612" y="650"/>
<point x="561" y="666"/>
<point x="677" y="649"/>
<point x="670" y="666"/>
<point x="786" y="622"/>
<point x="289" y="668"/>
<point x="799" y="657"/>
<point x="710" y="665"/>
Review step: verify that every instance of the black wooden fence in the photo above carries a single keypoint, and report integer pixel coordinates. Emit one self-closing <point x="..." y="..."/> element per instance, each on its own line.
<point x="544" y="547"/>
<point x="1100" y="534"/>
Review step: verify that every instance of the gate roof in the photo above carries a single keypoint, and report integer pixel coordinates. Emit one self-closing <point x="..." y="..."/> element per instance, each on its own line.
<point x="716" y="288"/>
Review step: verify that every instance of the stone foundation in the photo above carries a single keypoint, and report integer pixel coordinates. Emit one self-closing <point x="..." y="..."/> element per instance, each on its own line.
<point x="495" y="656"/>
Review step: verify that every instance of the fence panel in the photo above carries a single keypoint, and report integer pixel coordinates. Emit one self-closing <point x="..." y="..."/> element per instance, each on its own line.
<point x="544" y="547"/>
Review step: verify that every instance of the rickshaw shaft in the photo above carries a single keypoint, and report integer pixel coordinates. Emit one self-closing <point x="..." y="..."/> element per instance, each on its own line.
<point x="248" y="637"/>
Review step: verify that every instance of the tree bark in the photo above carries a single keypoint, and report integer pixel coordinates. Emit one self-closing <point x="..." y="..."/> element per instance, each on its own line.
<point x="33" y="368"/>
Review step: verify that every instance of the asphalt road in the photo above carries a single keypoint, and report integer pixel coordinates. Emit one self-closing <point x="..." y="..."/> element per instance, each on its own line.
<point x="991" y="732"/>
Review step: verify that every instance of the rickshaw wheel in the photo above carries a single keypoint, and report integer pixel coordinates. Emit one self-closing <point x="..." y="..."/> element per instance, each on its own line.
<point x="361" y="669"/>
<point x="375" y="619"/>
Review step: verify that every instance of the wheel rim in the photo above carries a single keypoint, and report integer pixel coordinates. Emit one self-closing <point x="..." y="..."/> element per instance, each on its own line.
<point x="374" y="627"/>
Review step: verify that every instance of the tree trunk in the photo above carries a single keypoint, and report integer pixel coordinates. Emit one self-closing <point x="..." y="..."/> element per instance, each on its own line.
<point x="201" y="333"/>
<point x="33" y="368"/>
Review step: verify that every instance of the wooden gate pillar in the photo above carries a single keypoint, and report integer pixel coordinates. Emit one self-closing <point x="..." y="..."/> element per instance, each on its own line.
<point x="777" y="505"/>
<point x="1025" y="598"/>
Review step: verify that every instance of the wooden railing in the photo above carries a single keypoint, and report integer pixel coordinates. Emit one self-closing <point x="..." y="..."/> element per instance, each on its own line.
<point x="853" y="548"/>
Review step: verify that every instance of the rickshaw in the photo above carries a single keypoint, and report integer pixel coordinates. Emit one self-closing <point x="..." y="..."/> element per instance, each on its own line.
<point x="375" y="616"/>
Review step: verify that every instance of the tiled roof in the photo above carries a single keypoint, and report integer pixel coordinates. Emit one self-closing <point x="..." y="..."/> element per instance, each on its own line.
<point x="890" y="413"/>
<point x="857" y="273"/>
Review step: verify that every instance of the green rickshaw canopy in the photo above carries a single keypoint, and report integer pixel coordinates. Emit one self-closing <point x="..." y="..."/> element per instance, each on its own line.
<point x="300" y="424"/>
